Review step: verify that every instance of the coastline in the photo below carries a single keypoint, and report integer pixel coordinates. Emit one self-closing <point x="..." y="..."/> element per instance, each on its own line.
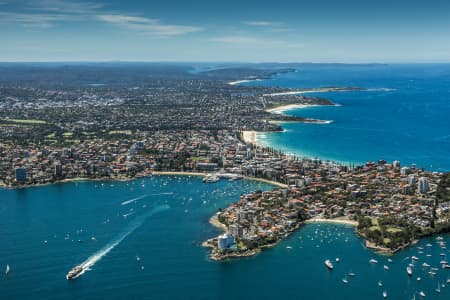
<point x="243" y="81"/>
<point x="178" y="173"/>
<point x="274" y="183"/>
<point x="342" y="221"/>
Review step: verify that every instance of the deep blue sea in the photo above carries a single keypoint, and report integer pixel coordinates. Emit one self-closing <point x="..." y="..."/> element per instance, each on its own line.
<point x="142" y="240"/>
<point x="404" y="114"/>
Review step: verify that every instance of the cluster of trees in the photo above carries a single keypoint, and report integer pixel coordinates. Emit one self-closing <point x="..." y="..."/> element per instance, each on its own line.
<point x="388" y="231"/>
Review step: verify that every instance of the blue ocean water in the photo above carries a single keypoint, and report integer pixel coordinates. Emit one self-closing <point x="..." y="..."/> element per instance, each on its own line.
<point x="404" y="114"/>
<point x="142" y="241"/>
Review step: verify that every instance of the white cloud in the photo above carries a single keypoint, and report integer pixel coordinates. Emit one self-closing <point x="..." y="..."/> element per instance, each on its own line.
<point x="147" y="25"/>
<point x="33" y="20"/>
<point x="249" y="41"/>
<point x="67" y="7"/>
<point x="263" y="23"/>
<point x="48" y="13"/>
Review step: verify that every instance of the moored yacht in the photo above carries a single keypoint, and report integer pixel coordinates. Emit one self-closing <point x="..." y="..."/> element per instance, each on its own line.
<point x="329" y="264"/>
<point x="409" y="270"/>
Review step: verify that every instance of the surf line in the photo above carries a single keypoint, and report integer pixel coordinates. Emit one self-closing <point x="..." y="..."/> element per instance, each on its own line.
<point x="132" y="226"/>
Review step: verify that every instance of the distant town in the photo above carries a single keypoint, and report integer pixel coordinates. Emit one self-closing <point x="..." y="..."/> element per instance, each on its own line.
<point x="54" y="131"/>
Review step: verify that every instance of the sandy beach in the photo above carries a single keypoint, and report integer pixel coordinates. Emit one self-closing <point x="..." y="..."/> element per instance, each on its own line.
<point x="281" y="109"/>
<point x="344" y="221"/>
<point x="242" y="81"/>
<point x="179" y="173"/>
<point x="249" y="137"/>
<point x="281" y="185"/>
<point x="294" y="93"/>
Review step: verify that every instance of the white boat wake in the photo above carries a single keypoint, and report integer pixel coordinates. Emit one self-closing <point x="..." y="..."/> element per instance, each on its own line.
<point x="132" y="226"/>
<point x="144" y="196"/>
<point x="134" y="199"/>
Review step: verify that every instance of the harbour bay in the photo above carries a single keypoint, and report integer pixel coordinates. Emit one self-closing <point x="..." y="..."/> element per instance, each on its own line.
<point x="47" y="230"/>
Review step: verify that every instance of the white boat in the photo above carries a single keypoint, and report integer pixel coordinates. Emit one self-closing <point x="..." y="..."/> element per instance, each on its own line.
<point x="422" y="294"/>
<point x="415" y="257"/>
<point x="419" y="279"/>
<point x="425" y="265"/>
<point x="74" y="273"/>
<point x="386" y="267"/>
<point x="211" y="178"/>
<point x="7" y="269"/>
<point x="351" y="273"/>
<point x="385" y="294"/>
<point x="345" y="280"/>
<point x="389" y="260"/>
<point x="380" y="283"/>
<point x="373" y="261"/>
<point x="288" y="247"/>
<point x="329" y="264"/>
<point x="409" y="270"/>
<point x="337" y="259"/>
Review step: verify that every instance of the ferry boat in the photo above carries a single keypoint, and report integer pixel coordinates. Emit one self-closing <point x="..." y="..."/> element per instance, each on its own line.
<point x="329" y="264"/>
<point x="74" y="272"/>
<point x="409" y="270"/>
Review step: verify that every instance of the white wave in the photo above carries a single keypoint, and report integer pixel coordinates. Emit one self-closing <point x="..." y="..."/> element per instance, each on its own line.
<point x="132" y="226"/>
<point x="128" y="214"/>
<point x="381" y="90"/>
<point x="134" y="199"/>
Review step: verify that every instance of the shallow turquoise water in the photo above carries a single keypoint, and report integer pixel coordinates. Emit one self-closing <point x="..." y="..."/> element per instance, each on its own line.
<point x="403" y="115"/>
<point x="168" y="245"/>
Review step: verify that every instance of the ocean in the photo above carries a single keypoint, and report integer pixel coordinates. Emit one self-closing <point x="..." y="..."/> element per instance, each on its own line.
<point x="142" y="240"/>
<point x="403" y="115"/>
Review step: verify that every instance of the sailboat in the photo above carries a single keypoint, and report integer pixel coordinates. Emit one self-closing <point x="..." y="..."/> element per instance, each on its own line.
<point x="409" y="270"/>
<point x="438" y="289"/>
<point x="7" y="269"/>
<point x="345" y="280"/>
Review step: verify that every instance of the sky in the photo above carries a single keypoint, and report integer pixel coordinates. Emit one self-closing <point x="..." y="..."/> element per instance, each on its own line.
<point x="348" y="31"/>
